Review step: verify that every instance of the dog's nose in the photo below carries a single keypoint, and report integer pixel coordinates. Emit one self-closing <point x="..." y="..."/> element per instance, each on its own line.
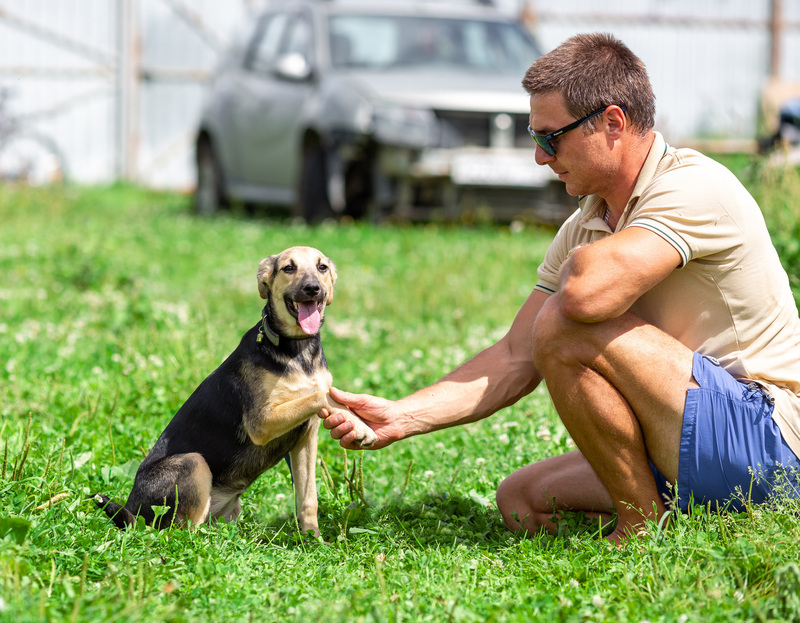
<point x="311" y="289"/>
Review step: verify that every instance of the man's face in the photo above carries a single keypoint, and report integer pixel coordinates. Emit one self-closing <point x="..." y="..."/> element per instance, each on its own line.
<point x="581" y="161"/>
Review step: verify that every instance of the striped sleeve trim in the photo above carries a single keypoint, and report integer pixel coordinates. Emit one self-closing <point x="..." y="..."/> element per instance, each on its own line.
<point x="544" y="287"/>
<point x="667" y="234"/>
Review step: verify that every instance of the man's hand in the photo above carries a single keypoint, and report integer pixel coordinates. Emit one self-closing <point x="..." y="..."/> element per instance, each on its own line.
<point x="374" y="411"/>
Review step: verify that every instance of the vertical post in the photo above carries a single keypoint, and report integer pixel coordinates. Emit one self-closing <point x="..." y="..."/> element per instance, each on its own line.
<point x="776" y="38"/>
<point x="127" y="89"/>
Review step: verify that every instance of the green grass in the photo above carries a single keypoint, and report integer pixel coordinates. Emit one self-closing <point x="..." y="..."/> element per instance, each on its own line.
<point x="117" y="302"/>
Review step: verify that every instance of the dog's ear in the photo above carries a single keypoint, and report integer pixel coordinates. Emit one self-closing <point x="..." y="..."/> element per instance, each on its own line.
<point x="266" y="274"/>
<point x="333" y="276"/>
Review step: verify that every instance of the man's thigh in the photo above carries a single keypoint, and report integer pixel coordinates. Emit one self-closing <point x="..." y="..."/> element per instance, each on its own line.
<point x="649" y="368"/>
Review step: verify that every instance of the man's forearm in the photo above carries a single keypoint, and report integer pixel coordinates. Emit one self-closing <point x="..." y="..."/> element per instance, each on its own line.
<point x="492" y="380"/>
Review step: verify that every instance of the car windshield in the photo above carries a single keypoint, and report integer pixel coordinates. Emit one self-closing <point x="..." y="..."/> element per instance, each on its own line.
<point x="388" y="42"/>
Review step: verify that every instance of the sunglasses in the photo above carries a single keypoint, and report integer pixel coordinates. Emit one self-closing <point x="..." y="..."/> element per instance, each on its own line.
<point x="543" y="140"/>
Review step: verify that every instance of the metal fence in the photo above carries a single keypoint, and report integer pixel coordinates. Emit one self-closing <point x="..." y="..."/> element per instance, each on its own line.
<point x="712" y="63"/>
<point x="118" y="83"/>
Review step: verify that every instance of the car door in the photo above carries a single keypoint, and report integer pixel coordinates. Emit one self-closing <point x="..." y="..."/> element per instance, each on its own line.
<point x="271" y="105"/>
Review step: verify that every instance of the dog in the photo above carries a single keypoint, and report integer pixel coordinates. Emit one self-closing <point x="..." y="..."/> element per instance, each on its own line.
<point x="258" y="407"/>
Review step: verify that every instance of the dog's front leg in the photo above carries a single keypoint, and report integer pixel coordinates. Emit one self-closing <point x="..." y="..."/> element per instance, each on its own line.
<point x="304" y="475"/>
<point x="277" y="418"/>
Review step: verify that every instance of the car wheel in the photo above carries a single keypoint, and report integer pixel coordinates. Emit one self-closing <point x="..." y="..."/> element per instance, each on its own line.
<point x="209" y="194"/>
<point x="314" y="203"/>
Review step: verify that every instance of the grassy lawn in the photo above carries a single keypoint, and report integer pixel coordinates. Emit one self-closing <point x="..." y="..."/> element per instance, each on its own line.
<point x="116" y="303"/>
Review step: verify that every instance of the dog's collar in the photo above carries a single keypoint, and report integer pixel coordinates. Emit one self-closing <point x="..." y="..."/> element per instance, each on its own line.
<point x="266" y="330"/>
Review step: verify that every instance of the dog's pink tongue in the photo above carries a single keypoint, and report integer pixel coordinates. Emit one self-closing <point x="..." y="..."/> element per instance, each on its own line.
<point x="309" y="317"/>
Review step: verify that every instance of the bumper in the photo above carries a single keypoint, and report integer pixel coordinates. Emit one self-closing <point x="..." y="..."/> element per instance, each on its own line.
<point x="474" y="184"/>
<point x="469" y="166"/>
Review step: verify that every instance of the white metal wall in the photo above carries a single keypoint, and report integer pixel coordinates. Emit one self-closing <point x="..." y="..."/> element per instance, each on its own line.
<point x="62" y="61"/>
<point x="61" y="58"/>
<point x="709" y="61"/>
<point x="57" y="59"/>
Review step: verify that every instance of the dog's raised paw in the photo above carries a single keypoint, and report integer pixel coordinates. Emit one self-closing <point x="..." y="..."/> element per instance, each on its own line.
<point x="367" y="440"/>
<point x="365" y="437"/>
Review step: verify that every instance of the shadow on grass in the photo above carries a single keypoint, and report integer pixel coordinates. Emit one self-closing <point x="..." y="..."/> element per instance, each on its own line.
<point x="436" y="520"/>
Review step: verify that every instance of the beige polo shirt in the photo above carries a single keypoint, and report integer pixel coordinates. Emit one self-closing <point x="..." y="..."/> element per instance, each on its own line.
<point x="730" y="298"/>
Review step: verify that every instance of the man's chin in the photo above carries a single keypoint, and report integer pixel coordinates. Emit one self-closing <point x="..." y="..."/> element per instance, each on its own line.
<point x="576" y="189"/>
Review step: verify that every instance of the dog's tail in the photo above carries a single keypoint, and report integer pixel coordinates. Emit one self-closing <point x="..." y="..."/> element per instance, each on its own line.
<point x="117" y="513"/>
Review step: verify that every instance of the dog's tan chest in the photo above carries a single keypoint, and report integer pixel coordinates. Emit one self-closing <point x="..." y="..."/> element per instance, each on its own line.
<point x="286" y="389"/>
<point x="282" y="403"/>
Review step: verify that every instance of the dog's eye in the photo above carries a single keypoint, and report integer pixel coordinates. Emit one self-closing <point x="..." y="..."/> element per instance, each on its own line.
<point x="322" y="268"/>
<point x="289" y="268"/>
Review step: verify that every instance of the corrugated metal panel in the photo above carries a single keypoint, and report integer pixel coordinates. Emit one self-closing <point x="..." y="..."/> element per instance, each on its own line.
<point x="708" y="74"/>
<point x="60" y="56"/>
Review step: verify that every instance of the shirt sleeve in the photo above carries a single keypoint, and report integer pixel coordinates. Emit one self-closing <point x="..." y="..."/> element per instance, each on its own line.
<point x="696" y="209"/>
<point x="565" y="240"/>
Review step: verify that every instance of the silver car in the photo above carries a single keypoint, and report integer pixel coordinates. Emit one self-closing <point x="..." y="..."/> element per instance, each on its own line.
<point x="370" y="109"/>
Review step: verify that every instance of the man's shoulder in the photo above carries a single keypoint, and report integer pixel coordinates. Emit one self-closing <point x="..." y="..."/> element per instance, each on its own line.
<point x="688" y="162"/>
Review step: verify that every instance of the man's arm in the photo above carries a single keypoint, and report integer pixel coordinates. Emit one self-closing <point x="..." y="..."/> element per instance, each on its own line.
<point x="495" y="378"/>
<point x="602" y="280"/>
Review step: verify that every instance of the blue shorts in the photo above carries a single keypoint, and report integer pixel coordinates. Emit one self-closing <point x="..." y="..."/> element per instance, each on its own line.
<point x="731" y="449"/>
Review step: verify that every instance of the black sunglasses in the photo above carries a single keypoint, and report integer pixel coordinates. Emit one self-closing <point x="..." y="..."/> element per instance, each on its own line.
<point x="543" y="140"/>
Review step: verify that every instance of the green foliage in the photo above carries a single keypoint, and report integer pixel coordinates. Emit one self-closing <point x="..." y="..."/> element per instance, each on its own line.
<point x="779" y="196"/>
<point x="116" y="303"/>
<point x="777" y="190"/>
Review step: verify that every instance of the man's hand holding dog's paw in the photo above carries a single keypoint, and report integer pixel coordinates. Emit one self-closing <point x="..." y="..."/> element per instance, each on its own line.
<point x="360" y="421"/>
<point x="363" y="435"/>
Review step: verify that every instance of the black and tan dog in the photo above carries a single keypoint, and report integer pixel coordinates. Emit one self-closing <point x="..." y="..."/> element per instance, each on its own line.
<point x="259" y="406"/>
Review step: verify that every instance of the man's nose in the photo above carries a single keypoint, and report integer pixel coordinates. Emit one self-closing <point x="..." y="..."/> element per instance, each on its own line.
<point x="542" y="157"/>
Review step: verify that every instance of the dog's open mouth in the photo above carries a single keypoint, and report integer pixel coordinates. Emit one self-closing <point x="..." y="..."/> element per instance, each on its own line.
<point x="308" y="314"/>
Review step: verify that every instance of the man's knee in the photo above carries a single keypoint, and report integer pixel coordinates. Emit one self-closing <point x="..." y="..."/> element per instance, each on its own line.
<point x="505" y="498"/>
<point x="518" y="510"/>
<point x="550" y="333"/>
<point x="509" y="503"/>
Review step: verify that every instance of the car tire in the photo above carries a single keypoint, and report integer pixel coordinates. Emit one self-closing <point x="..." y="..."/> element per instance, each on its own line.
<point x="210" y="196"/>
<point x="314" y="205"/>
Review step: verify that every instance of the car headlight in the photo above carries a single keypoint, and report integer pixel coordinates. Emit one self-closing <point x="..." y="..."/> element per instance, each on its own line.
<point x="404" y="125"/>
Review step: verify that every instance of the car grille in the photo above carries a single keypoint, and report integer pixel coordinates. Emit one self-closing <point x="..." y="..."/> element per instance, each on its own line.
<point x="472" y="129"/>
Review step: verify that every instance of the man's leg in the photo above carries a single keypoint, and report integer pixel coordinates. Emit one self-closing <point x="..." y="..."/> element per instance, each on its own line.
<point x="619" y="386"/>
<point x="533" y="497"/>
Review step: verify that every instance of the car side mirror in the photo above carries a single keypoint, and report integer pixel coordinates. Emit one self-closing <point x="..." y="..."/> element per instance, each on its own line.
<point x="293" y="66"/>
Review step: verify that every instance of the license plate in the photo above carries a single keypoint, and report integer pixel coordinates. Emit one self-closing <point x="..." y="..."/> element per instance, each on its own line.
<point x="499" y="168"/>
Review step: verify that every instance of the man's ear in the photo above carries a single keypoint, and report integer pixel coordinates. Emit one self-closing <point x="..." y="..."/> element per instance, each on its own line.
<point x="266" y="274"/>
<point x="615" y="120"/>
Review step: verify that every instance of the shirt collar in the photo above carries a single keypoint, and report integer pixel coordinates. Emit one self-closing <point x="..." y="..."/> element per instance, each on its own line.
<point x="593" y="207"/>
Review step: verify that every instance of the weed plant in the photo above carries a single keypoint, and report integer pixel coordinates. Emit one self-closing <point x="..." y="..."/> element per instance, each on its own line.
<point x="778" y="192"/>
<point x="117" y="302"/>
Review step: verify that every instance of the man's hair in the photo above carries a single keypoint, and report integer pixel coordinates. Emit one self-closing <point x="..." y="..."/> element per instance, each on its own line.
<point x="592" y="71"/>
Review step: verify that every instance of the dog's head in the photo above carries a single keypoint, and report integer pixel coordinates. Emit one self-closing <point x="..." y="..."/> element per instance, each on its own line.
<point x="298" y="284"/>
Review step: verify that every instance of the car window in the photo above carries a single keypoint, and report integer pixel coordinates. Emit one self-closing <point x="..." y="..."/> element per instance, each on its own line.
<point x="385" y="42"/>
<point x="298" y="39"/>
<point x="242" y="39"/>
<point x="263" y="55"/>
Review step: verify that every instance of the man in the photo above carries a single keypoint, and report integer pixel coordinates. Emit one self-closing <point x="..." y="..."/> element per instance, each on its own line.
<point x="662" y="321"/>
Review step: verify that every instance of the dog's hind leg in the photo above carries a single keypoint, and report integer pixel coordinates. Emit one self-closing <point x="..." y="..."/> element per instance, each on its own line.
<point x="303" y="465"/>
<point x="181" y="482"/>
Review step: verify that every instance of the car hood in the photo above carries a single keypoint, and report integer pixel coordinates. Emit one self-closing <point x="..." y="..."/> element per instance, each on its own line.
<point x="440" y="90"/>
